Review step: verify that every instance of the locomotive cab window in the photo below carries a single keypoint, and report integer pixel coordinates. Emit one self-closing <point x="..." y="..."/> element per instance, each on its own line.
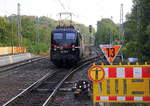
<point x="70" y="36"/>
<point x="58" y="36"/>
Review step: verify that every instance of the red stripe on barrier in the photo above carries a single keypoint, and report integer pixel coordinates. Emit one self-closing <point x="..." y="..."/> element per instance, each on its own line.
<point x="146" y="72"/>
<point x="113" y="98"/>
<point x="112" y="72"/>
<point x="98" y="98"/>
<point x="129" y="72"/>
<point x="129" y="98"/>
<point x="146" y="98"/>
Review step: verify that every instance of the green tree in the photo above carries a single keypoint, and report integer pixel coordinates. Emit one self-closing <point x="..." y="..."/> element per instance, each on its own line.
<point x="5" y="32"/>
<point x="137" y="30"/>
<point x="107" y="32"/>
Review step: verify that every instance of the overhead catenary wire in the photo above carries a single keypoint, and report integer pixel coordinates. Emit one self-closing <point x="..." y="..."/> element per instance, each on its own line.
<point x="65" y="5"/>
<point x="68" y="5"/>
<point x="62" y="5"/>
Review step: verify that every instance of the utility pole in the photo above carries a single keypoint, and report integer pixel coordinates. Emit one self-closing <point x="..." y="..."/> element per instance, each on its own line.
<point x="12" y="43"/>
<point x="121" y="24"/>
<point x="121" y="29"/>
<point x="19" y="25"/>
<point x="90" y="31"/>
<point x="37" y="32"/>
<point x="110" y="34"/>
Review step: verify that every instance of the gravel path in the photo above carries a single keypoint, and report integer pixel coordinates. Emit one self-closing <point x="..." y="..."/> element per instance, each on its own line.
<point x="14" y="81"/>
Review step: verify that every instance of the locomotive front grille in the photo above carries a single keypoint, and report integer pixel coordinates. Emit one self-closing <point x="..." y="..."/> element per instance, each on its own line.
<point x="64" y="51"/>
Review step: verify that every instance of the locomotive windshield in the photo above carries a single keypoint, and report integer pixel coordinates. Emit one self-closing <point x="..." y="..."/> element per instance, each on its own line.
<point x="70" y="36"/>
<point x="58" y="36"/>
<point x="64" y="38"/>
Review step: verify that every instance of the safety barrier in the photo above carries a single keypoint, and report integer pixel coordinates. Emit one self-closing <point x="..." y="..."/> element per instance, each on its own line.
<point x="120" y="83"/>
<point x="5" y="60"/>
<point x="12" y="50"/>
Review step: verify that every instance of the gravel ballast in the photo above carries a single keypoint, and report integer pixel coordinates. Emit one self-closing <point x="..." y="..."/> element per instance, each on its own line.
<point x="14" y="81"/>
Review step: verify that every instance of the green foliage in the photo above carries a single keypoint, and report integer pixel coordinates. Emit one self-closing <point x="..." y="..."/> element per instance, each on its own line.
<point x="130" y="49"/>
<point x="5" y="34"/>
<point x="84" y="30"/>
<point x="107" y="31"/>
<point x="38" y="49"/>
<point x="137" y="30"/>
<point x="35" y="32"/>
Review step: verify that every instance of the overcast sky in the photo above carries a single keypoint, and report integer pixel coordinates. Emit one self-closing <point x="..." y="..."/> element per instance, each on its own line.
<point x="86" y="11"/>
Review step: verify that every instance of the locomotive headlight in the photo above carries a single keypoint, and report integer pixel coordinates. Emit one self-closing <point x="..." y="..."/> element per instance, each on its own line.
<point x="73" y="47"/>
<point x="55" y="47"/>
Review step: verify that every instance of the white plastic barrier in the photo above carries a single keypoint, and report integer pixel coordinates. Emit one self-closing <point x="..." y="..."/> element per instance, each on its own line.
<point x="5" y="60"/>
<point x="132" y="60"/>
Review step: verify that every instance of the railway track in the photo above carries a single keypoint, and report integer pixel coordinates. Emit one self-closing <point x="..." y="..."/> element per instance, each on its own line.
<point x="100" y="55"/>
<point x="43" y="91"/>
<point x="66" y="96"/>
<point x="19" y="64"/>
